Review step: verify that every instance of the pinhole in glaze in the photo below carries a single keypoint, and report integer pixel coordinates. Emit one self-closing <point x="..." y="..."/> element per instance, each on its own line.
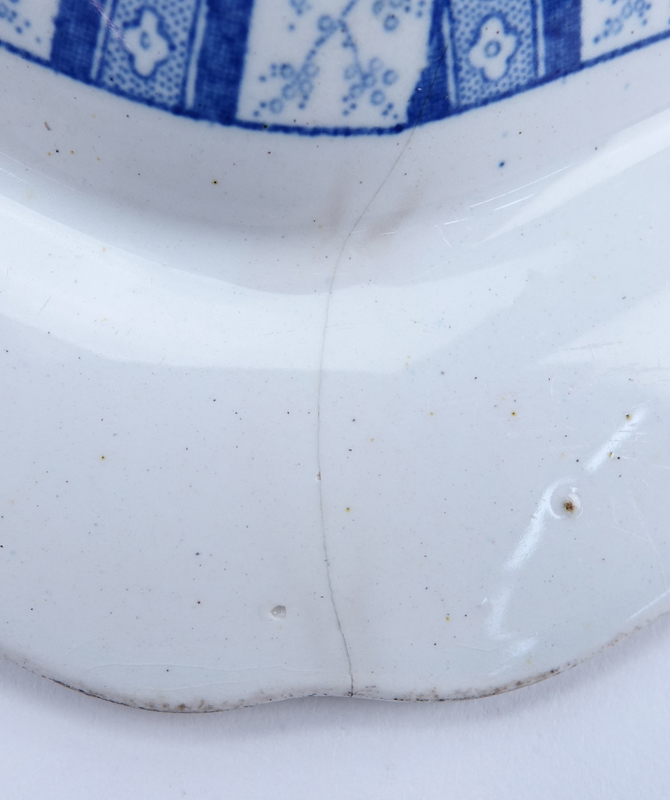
<point x="334" y="343"/>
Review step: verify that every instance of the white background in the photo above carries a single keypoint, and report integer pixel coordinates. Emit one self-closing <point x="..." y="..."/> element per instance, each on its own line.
<point x="601" y="730"/>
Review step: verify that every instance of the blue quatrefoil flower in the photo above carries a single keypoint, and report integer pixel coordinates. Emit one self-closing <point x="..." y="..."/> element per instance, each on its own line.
<point x="147" y="44"/>
<point x="494" y="48"/>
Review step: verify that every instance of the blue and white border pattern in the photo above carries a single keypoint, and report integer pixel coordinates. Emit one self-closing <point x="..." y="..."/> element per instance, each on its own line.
<point x="338" y="67"/>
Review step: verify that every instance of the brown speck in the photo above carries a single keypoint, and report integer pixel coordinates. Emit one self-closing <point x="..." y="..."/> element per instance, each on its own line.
<point x="348" y="509"/>
<point x="514" y="413"/>
<point x="628" y="416"/>
<point x="569" y="506"/>
<point x="71" y="152"/>
<point x="214" y="182"/>
<point x="448" y="618"/>
<point x="102" y="458"/>
<point x="48" y="154"/>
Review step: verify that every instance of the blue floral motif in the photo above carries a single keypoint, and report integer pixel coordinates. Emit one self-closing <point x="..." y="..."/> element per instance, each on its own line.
<point x="368" y="86"/>
<point x="391" y="13"/>
<point x="28" y="24"/>
<point x="495" y="46"/>
<point x="147" y="44"/>
<point x="147" y="49"/>
<point x="495" y="53"/>
<point x="369" y="81"/>
<point x="624" y="10"/>
<point x="298" y="84"/>
<point x="300" y="6"/>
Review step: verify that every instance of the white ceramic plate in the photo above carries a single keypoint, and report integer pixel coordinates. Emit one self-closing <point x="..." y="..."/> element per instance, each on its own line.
<point x="381" y="414"/>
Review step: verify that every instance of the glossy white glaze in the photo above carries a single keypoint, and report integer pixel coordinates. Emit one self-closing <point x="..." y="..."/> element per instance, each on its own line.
<point x="288" y="416"/>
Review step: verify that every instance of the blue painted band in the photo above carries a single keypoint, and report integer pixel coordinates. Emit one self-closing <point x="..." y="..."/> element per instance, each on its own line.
<point x="375" y="67"/>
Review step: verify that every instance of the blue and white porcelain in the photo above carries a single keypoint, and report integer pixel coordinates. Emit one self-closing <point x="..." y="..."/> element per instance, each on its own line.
<point x="333" y="342"/>
<point x="321" y="66"/>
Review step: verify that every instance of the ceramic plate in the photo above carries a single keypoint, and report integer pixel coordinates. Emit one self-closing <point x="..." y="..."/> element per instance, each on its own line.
<point x="334" y="343"/>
